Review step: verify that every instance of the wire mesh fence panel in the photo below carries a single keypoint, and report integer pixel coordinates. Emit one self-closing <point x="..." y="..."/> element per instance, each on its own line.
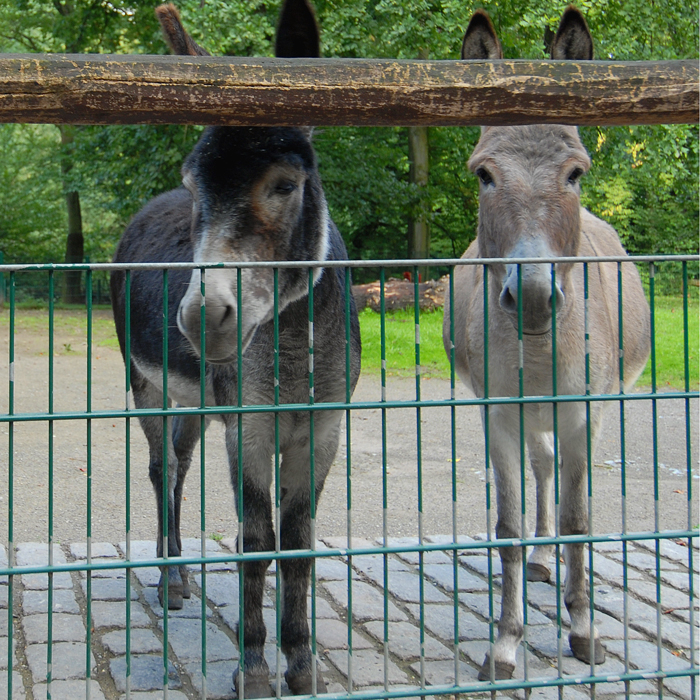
<point x="406" y="584"/>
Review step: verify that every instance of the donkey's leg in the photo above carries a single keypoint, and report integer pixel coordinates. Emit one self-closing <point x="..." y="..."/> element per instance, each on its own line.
<point x="505" y="455"/>
<point x="295" y="533"/>
<point x="540" y="448"/>
<point x="574" y="521"/>
<point x="258" y="536"/>
<point x="146" y="395"/>
<point x="186" y="434"/>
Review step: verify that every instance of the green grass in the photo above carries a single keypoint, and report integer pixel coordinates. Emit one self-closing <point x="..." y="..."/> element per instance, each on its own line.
<point x="72" y="321"/>
<point x="400" y="339"/>
<point x="400" y="344"/>
<point x="670" y="362"/>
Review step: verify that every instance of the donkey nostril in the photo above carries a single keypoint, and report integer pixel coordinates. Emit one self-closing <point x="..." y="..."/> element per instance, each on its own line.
<point x="228" y="312"/>
<point x="508" y="302"/>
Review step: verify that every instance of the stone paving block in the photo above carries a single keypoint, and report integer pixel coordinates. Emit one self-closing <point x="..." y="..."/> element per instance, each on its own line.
<point x="429" y="557"/>
<point x="185" y="638"/>
<point x="105" y="573"/>
<point x="156" y="695"/>
<point x="68" y="690"/>
<point x="140" y="549"/>
<point x="219" y="679"/>
<point x="333" y="634"/>
<point x="669" y="598"/>
<point x="324" y="611"/>
<point x="614" y="545"/>
<point x="143" y="641"/>
<point x="643" y="656"/>
<point x="148" y="576"/>
<point x="222" y="589"/>
<point x="67" y="661"/>
<point x="670" y="549"/>
<point x="64" y="601"/>
<point x="367" y="667"/>
<point x="113" y="614"/>
<point x="3" y="652"/>
<point x="342" y="543"/>
<point x="570" y="693"/>
<point x="331" y="569"/>
<point x="439" y="620"/>
<point x="443" y="575"/>
<point x="98" y="550"/>
<point x="192" y="607"/>
<point x="40" y="582"/>
<point x="367" y="602"/>
<point x="18" y="692"/>
<point x="644" y="561"/>
<point x="146" y="673"/>
<point x="480" y="565"/>
<point x="229" y="615"/>
<point x="3" y="562"/>
<point x="192" y="547"/>
<point x="64" y="628"/>
<point x="372" y="566"/>
<point x="109" y="589"/>
<point x="476" y="651"/>
<point x="37" y="554"/>
<point x="677" y="579"/>
<point x="406" y="587"/>
<point x="443" y="672"/>
<point x="3" y="596"/>
<point x="404" y="641"/>
<point x="479" y="603"/>
<point x="642" y="616"/>
<point x="609" y="569"/>
<point x="610" y="628"/>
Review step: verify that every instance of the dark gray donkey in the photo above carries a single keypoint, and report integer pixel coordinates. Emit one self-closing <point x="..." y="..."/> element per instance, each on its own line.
<point x="529" y="207"/>
<point x="250" y="194"/>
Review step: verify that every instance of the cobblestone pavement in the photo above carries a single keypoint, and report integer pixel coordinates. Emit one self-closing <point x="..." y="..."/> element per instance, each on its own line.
<point x="405" y="669"/>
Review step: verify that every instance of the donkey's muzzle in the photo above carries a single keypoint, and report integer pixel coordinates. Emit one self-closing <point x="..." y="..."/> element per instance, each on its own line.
<point x="530" y="299"/>
<point x="217" y="335"/>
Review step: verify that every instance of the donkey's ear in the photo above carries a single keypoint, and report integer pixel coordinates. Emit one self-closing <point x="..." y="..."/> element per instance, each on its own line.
<point x="179" y="41"/>
<point x="480" y="40"/>
<point x="573" y="41"/>
<point x="297" y="31"/>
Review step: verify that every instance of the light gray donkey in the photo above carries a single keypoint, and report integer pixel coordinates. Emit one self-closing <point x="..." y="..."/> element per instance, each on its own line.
<point x="250" y="194"/>
<point x="530" y="207"/>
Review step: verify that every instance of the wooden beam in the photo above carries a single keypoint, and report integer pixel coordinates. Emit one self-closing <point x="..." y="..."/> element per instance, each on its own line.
<point x="109" y="89"/>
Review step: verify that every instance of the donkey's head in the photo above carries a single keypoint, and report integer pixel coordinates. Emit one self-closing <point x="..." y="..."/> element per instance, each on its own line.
<point x="529" y="200"/>
<point x="256" y="196"/>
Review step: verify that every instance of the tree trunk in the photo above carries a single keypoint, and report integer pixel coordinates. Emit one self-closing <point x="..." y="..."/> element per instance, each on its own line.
<point x="72" y="293"/>
<point x="419" y="227"/>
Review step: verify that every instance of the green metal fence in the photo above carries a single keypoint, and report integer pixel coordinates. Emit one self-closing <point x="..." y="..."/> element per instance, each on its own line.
<point x="654" y="656"/>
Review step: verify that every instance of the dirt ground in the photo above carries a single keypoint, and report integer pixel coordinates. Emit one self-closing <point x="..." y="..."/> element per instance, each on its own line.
<point x="107" y="518"/>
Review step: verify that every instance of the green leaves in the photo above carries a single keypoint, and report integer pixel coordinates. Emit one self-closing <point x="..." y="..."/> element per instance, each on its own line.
<point x="644" y="180"/>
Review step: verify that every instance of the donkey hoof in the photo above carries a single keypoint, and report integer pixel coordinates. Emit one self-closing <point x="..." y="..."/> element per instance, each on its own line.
<point x="184" y="575"/>
<point x="300" y="683"/>
<point x="502" y="670"/>
<point x="257" y="685"/>
<point x="538" y="572"/>
<point x="581" y="649"/>
<point x="175" y="601"/>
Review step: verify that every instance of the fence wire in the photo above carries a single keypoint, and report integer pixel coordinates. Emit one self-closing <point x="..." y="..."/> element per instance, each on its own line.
<point x="398" y="607"/>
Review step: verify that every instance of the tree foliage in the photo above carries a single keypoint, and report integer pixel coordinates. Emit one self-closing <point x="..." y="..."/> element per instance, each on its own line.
<point x="644" y="180"/>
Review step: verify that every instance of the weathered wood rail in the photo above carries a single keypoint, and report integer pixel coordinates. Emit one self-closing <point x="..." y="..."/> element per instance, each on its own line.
<point x="109" y="89"/>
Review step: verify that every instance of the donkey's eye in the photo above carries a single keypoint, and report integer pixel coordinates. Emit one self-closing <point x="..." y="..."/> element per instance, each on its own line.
<point x="285" y="187"/>
<point x="575" y="176"/>
<point x="484" y="176"/>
